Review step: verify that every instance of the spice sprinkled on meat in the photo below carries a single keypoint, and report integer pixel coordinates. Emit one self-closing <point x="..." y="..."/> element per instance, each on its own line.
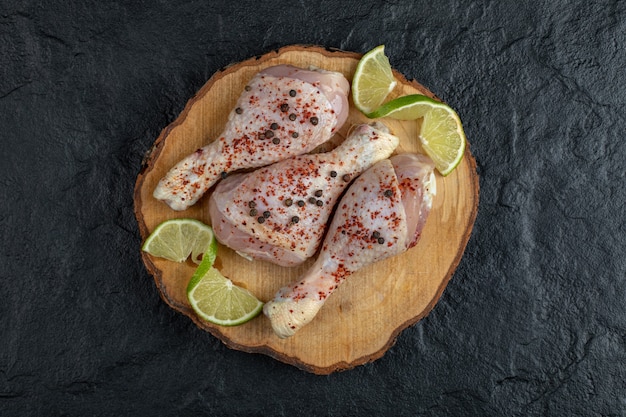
<point x="381" y="215"/>
<point x="301" y="188"/>
<point x="268" y="124"/>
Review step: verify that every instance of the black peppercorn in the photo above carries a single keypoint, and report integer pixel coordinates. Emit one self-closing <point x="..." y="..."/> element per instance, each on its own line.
<point x="381" y="240"/>
<point x="294" y="135"/>
<point x="295" y="219"/>
<point x="292" y="117"/>
<point x="312" y="200"/>
<point x="253" y="212"/>
<point x="288" y="202"/>
<point x="346" y="177"/>
<point x="238" y="110"/>
<point x="266" y="214"/>
<point x="333" y="174"/>
<point x="319" y="203"/>
<point x="300" y="203"/>
<point x="274" y="126"/>
<point x="269" y="134"/>
<point x="275" y="141"/>
<point x="388" y="193"/>
<point x="284" y="107"/>
<point x="318" y="193"/>
<point x="261" y="219"/>
<point x="292" y="93"/>
<point x="314" y="120"/>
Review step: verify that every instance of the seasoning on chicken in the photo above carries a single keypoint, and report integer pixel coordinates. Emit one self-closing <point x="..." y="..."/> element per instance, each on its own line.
<point x="381" y="215"/>
<point x="279" y="213"/>
<point x="282" y="112"/>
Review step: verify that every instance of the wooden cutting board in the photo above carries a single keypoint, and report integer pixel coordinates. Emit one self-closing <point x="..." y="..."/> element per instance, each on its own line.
<point x="363" y="318"/>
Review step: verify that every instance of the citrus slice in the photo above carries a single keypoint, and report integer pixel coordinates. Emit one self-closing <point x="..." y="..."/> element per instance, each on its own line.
<point x="409" y="107"/>
<point x="372" y="81"/>
<point x="176" y="239"/>
<point x="216" y="299"/>
<point x="441" y="134"/>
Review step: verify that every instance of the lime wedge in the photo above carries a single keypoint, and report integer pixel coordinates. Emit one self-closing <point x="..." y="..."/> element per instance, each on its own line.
<point x="217" y="300"/>
<point x="441" y="134"/>
<point x="372" y="81"/>
<point x="176" y="239"/>
<point x="409" y="107"/>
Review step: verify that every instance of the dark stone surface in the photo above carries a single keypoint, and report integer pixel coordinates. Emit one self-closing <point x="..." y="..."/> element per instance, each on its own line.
<point x="532" y="323"/>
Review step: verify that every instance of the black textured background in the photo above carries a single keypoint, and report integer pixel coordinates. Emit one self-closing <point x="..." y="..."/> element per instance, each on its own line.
<point x="532" y="323"/>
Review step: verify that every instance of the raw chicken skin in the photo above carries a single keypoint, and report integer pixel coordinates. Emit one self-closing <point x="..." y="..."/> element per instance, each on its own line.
<point x="297" y="195"/>
<point x="370" y="225"/>
<point x="283" y="111"/>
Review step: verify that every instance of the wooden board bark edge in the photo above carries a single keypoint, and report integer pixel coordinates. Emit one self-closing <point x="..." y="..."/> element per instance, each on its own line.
<point x="470" y="181"/>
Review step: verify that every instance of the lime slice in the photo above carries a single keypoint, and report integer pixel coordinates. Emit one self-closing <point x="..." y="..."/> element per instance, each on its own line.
<point x="443" y="139"/>
<point x="441" y="134"/>
<point x="409" y="107"/>
<point x="372" y="81"/>
<point x="216" y="299"/>
<point x="176" y="239"/>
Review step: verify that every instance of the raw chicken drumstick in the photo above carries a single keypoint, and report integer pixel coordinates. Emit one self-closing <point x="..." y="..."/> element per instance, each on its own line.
<point x="279" y="213"/>
<point x="283" y="111"/>
<point x="382" y="214"/>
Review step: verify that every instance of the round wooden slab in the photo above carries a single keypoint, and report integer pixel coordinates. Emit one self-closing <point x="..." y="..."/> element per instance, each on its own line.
<point x="362" y="319"/>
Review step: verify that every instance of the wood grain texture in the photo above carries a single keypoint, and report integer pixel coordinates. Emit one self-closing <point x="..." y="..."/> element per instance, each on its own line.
<point x="363" y="318"/>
